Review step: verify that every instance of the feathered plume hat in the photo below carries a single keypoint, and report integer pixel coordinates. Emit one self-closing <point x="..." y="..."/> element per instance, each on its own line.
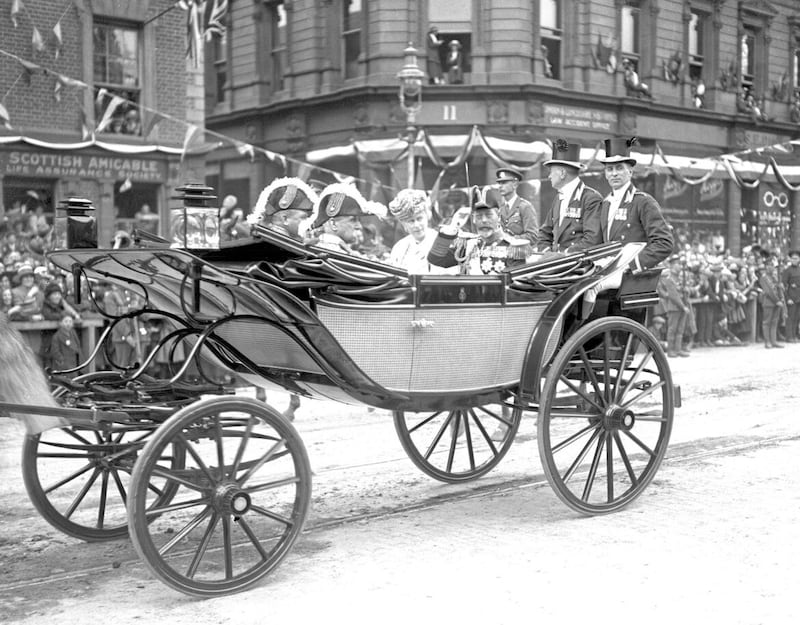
<point x="283" y="194"/>
<point x="339" y="200"/>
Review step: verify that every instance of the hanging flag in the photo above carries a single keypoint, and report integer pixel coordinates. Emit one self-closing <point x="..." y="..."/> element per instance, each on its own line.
<point x="36" y="39"/>
<point x="126" y="185"/>
<point x="4" y="118"/>
<point x="57" y="90"/>
<point x="30" y="69"/>
<point x="85" y="131"/>
<point x="115" y="102"/>
<point x="344" y="179"/>
<point x="153" y="118"/>
<point x="16" y="7"/>
<point x="58" y="38"/>
<point x="194" y="28"/>
<point x="419" y="180"/>
<point x="246" y="149"/>
<point x="66" y="81"/>
<point x="216" y="19"/>
<point x="191" y="131"/>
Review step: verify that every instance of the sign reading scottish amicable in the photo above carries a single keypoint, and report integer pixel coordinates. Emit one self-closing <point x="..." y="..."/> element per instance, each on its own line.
<point x="47" y="164"/>
<point x="579" y="117"/>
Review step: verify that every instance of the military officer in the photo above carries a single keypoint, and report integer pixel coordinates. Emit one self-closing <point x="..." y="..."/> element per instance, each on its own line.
<point x="791" y="285"/>
<point x="517" y="215"/>
<point x="575" y="210"/>
<point x="284" y="205"/>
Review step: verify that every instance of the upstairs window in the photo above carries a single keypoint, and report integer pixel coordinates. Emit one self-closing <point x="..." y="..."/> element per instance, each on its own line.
<point x="747" y="57"/>
<point x="278" y="54"/>
<point x="698" y="26"/>
<point x="352" y="21"/>
<point x="796" y="63"/>
<point x="219" y="48"/>
<point x="117" y="78"/>
<point x="630" y="28"/>
<point x="550" y="35"/>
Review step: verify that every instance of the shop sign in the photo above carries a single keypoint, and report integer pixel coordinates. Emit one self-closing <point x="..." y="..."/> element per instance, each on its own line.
<point x="58" y="165"/>
<point x="579" y="118"/>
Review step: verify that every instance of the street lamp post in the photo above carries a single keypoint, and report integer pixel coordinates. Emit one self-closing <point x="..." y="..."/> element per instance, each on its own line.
<point x="411" y="77"/>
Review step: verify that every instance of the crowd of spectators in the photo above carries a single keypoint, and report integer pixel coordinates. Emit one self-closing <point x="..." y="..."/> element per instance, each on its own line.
<point x="727" y="300"/>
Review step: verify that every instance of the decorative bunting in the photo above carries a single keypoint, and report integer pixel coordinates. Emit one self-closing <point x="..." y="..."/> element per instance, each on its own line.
<point x="85" y="131"/>
<point x="113" y="105"/>
<point x="37" y="41"/>
<point x="16" y="7"/>
<point x="58" y="39"/>
<point x="57" y="90"/>
<point x="216" y="20"/>
<point x="126" y="185"/>
<point x="245" y="149"/>
<point x="152" y="120"/>
<point x="191" y="131"/>
<point x="4" y="117"/>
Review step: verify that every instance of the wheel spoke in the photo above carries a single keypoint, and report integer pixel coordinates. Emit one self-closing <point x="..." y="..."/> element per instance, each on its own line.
<point x="424" y="422"/>
<point x="101" y="509"/>
<point x="453" y="440"/>
<point x="203" y="546"/>
<point x="220" y="450"/>
<point x="644" y="447"/>
<point x="468" y="434"/>
<point x="242" y="445"/>
<point x="622" y="365"/>
<point x="439" y="434"/>
<point x="253" y="538"/>
<point x="609" y="470"/>
<point x="181" y="505"/>
<point x="590" y="371"/>
<point x="645" y="359"/>
<point x="69" y="478"/>
<point x="573" y="437"/>
<point x="606" y="367"/>
<point x="566" y="477"/>
<point x="167" y="474"/>
<point x="79" y="497"/>
<point x="272" y="515"/>
<point x="262" y="461"/>
<point x="646" y="392"/>
<point x="76" y="436"/>
<point x="120" y="487"/>
<point x="184" y="531"/>
<point x="201" y="465"/>
<point x="581" y="392"/>
<point x="271" y="485"/>
<point x="624" y="455"/>
<point x="571" y="414"/>
<point x="598" y="453"/>
<point x="226" y="546"/>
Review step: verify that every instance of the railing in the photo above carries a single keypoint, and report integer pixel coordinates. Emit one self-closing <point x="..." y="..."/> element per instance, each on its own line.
<point x="88" y="329"/>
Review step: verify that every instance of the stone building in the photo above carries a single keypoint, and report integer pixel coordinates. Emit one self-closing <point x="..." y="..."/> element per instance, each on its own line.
<point x="99" y="96"/>
<point x="316" y="80"/>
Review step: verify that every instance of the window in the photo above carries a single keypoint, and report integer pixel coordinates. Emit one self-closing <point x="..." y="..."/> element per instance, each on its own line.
<point x="629" y="43"/>
<point x="117" y="74"/>
<point x="698" y="25"/>
<point x="796" y="64"/>
<point x="550" y="33"/>
<point x="220" y="59"/>
<point x="747" y="56"/>
<point x="352" y="19"/>
<point x="278" y="53"/>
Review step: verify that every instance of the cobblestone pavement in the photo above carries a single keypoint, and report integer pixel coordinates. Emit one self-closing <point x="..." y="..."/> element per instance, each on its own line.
<point x="712" y="540"/>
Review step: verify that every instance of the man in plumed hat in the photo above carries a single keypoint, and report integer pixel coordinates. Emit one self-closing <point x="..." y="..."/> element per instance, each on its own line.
<point x="517" y="215"/>
<point x="628" y="214"/>
<point x="576" y="208"/>
<point x="791" y="286"/>
<point x="491" y="251"/>
<point x="284" y="205"/>
<point x="337" y="213"/>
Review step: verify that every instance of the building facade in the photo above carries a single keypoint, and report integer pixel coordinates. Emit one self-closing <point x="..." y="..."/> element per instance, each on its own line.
<point x="316" y="80"/>
<point x="98" y="96"/>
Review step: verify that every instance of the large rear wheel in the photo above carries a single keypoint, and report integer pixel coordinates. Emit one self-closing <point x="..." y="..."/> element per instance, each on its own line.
<point x="605" y="415"/>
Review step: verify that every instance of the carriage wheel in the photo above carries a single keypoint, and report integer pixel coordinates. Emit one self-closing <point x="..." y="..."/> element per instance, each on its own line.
<point x="460" y="444"/>
<point x="605" y="415"/>
<point x="243" y="496"/>
<point x="78" y="477"/>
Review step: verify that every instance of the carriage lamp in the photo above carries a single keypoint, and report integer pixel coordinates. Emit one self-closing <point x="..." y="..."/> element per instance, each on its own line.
<point x="411" y="77"/>
<point x="75" y="224"/>
<point x="194" y="225"/>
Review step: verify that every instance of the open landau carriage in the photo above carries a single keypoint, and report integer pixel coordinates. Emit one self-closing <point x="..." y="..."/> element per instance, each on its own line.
<point x="214" y="488"/>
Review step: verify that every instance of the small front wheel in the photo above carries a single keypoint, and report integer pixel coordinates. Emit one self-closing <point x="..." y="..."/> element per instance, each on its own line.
<point x="241" y="499"/>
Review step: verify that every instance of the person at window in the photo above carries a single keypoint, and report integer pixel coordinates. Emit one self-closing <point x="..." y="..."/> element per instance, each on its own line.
<point x="576" y="206"/>
<point x="133" y="123"/>
<point x="433" y="61"/>
<point x="284" y="205"/>
<point x="791" y="285"/>
<point x="632" y="81"/>
<point x="490" y="251"/>
<point x="518" y="218"/>
<point x="338" y="212"/>
<point x="411" y="207"/>
<point x="454" y="63"/>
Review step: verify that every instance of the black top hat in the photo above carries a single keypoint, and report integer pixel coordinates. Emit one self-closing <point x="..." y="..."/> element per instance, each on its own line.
<point x="484" y="197"/>
<point x="506" y="173"/>
<point x="565" y="154"/>
<point x="619" y="151"/>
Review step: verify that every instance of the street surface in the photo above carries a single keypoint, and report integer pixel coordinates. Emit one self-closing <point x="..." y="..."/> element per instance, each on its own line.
<point x="712" y="540"/>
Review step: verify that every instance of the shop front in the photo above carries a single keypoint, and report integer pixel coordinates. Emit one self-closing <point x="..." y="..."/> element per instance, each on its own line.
<point x="127" y="184"/>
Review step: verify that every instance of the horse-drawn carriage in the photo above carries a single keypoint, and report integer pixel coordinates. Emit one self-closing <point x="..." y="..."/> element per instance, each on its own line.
<point x="214" y="488"/>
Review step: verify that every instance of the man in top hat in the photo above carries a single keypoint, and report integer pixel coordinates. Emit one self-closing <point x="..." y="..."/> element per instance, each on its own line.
<point x="576" y="208"/>
<point x="488" y="252"/>
<point x="337" y="212"/>
<point x="628" y="214"/>
<point x="284" y="205"/>
<point x="517" y="215"/>
<point x="791" y="286"/>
